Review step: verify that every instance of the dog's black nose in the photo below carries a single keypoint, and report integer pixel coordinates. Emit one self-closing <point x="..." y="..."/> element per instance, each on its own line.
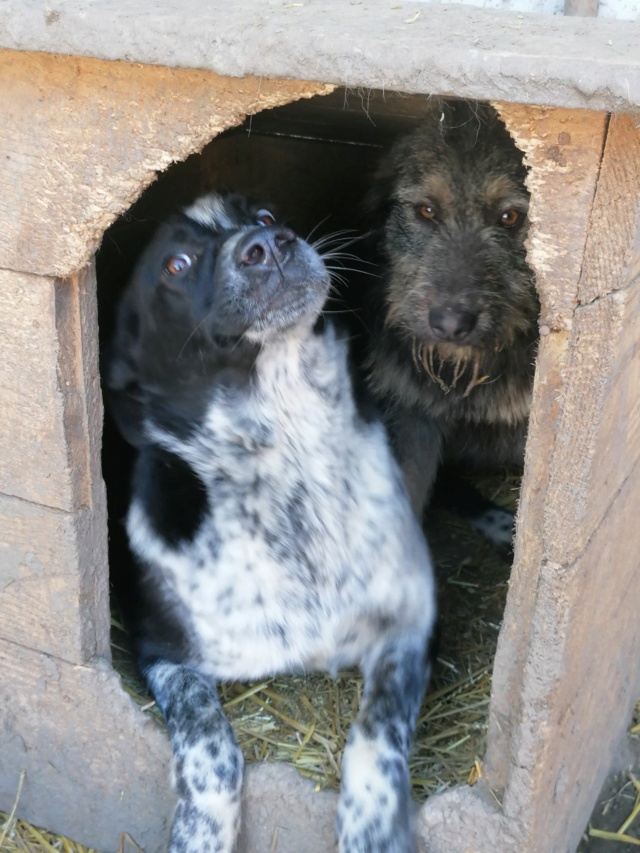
<point x="451" y="324"/>
<point x="265" y="246"/>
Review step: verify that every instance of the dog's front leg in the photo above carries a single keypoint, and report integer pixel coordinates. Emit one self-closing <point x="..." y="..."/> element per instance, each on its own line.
<point x="417" y="443"/>
<point x="375" y="810"/>
<point x="207" y="763"/>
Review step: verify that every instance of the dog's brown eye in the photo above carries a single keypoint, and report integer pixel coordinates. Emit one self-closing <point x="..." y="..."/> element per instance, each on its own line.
<point x="177" y="264"/>
<point x="428" y="210"/>
<point x="264" y="218"/>
<point x="509" y="218"/>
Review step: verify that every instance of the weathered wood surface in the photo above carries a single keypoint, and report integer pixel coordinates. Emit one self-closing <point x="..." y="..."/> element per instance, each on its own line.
<point x="411" y="47"/>
<point x="80" y="139"/>
<point x="50" y="395"/>
<point x="567" y="671"/>
<point x="53" y="580"/>
<point x="563" y="150"/>
<point x="612" y="247"/>
<point x="582" y="676"/>
<point x="44" y="425"/>
<point x="53" y="541"/>
<point x="97" y="766"/>
<point x="605" y="371"/>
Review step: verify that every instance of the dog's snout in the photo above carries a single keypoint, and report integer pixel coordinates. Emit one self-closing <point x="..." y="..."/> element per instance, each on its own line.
<point x="265" y="246"/>
<point x="452" y="324"/>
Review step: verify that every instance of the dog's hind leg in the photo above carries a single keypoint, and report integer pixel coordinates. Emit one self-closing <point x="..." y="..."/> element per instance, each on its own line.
<point x="494" y="523"/>
<point x="207" y="763"/>
<point x="375" y="810"/>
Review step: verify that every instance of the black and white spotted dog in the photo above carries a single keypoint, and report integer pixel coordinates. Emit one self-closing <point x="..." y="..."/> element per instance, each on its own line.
<point x="269" y="520"/>
<point x="455" y="315"/>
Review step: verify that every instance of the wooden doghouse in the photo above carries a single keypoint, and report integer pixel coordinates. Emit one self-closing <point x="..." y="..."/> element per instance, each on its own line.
<point x="95" y="100"/>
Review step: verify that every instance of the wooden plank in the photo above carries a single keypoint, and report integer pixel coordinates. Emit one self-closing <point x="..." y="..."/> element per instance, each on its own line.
<point x="54" y="594"/>
<point x="600" y="423"/>
<point x="44" y="426"/>
<point x="563" y="150"/>
<point x="611" y="257"/>
<point x="412" y="47"/>
<point x="53" y="548"/>
<point x="95" y="765"/>
<point x="581" y="680"/>
<point x="36" y="397"/>
<point x="598" y="440"/>
<point x="80" y="139"/>
<point x="567" y="668"/>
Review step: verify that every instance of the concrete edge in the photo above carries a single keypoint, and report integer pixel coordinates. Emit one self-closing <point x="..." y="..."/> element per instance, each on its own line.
<point x="412" y="47"/>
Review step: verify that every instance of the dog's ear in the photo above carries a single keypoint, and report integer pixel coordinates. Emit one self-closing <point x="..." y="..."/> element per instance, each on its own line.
<point x="127" y="410"/>
<point x="378" y="201"/>
<point x="120" y="365"/>
<point x="124" y="396"/>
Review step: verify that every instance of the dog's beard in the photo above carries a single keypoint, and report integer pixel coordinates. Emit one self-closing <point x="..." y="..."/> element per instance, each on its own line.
<point x="466" y="365"/>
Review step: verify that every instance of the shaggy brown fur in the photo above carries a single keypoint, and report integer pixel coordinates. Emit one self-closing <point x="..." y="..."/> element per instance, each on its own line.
<point x="454" y="320"/>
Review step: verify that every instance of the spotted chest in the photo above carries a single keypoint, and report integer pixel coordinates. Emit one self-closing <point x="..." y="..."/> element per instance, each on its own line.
<point x="306" y="552"/>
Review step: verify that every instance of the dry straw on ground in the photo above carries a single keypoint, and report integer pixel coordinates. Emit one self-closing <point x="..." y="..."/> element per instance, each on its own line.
<point x="624" y="836"/>
<point x="304" y="720"/>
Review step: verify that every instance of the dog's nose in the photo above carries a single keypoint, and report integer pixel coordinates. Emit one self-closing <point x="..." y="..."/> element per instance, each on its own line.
<point x="265" y="246"/>
<point x="452" y="324"/>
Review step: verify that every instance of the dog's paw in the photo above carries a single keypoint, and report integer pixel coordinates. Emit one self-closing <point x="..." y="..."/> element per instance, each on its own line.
<point x="498" y="526"/>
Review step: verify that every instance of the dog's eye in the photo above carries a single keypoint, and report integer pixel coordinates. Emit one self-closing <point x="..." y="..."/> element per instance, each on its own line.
<point x="428" y="210"/>
<point x="264" y="218"/>
<point x="509" y="218"/>
<point x="177" y="264"/>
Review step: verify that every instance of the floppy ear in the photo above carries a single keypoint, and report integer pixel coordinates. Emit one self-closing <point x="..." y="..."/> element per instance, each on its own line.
<point x="127" y="410"/>
<point x="123" y="394"/>
<point x="378" y="200"/>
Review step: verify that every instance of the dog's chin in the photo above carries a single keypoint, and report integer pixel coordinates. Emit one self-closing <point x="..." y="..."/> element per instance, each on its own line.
<point x="282" y="317"/>
<point x="227" y="341"/>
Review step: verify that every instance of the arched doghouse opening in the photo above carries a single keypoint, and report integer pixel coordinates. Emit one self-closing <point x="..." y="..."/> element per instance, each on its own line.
<point x="315" y="160"/>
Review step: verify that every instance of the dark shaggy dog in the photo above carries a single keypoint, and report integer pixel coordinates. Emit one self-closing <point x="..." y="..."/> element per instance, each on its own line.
<point x="455" y="314"/>
<point x="268" y="518"/>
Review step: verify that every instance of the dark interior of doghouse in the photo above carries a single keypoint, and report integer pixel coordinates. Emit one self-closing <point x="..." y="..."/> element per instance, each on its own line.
<point x="313" y="160"/>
